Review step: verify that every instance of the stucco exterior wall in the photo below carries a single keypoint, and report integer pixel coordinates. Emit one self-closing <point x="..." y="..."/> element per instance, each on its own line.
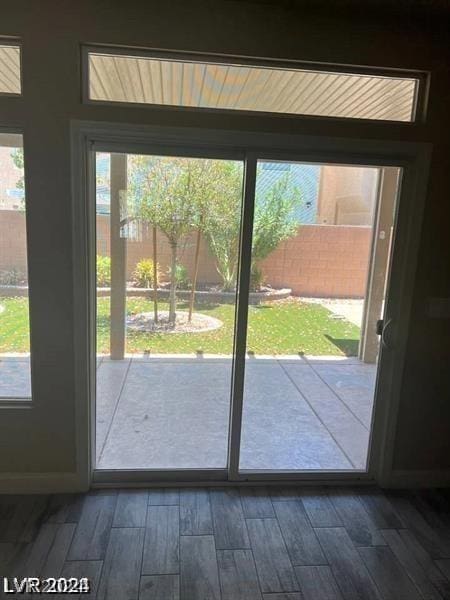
<point x="347" y="195"/>
<point x="10" y="175"/>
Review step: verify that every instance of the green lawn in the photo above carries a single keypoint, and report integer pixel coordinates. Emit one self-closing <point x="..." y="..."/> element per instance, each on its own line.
<point x="14" y="325"/>
<point x="274" y="328"/>
<point x="285" y="327"/>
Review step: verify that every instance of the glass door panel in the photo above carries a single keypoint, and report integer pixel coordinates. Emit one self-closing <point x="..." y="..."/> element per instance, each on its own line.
<point x="320" y="257"/>
<point x="168" y="231"/>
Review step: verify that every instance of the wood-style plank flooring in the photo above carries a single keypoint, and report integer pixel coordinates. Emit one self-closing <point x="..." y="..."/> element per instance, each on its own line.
<point x="264" y="543"/>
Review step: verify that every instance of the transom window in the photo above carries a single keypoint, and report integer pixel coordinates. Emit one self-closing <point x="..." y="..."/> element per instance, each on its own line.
<point x="128" y="78"/>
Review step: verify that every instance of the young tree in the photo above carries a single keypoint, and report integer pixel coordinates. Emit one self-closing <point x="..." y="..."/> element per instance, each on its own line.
<point x="161" y="193"/>
<point x="155" y="274"/>
<point x="194" y="278"/>
<point x="214" y="197"/>
<point x="274" y="221"/>
<point x="201" y="179"/>
<point x="222" y="219"/>
<point x="177" y="195"/>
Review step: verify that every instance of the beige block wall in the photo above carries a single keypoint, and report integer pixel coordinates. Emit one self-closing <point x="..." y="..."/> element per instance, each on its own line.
<point x="321" y="260"/>
<point x="137" y="250"/>
<point x="13" y="244"/>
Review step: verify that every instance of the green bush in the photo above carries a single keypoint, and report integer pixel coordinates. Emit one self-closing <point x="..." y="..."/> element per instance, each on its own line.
<point x="143" y="273"/>
<point x="103" y="271"/>
<point x="181" y="276"/>
<point x="256" y="278"/>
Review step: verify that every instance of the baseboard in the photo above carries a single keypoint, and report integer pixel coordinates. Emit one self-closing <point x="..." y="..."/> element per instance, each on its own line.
<point x="40" y="483"/>
<point x="418" y="478"/>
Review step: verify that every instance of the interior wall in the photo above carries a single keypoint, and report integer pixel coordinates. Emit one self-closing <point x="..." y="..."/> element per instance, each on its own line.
<point x="43" y="439"/>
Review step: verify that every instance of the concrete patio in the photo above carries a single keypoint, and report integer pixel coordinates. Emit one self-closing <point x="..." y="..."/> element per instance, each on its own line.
<point x="15" y="377"/>
<point x="172" y="412"/>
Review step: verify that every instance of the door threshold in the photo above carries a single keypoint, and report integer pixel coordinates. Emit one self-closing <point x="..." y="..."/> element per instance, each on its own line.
<point x="212" y="478"/>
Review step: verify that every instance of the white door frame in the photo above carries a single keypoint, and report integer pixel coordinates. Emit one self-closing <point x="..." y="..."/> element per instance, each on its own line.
<point x="412" y="157"/>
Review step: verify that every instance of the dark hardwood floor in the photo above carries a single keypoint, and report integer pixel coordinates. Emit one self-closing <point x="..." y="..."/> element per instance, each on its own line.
<point x="284" y="543"/>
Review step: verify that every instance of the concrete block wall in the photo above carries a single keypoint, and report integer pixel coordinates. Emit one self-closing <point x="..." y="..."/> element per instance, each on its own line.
<point x="321" y="260"/>
<point x="13" y="245"/>
<point x="137" y="250"/>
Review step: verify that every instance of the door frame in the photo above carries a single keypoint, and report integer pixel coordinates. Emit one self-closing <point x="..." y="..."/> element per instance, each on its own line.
<point x="412" y="157"/>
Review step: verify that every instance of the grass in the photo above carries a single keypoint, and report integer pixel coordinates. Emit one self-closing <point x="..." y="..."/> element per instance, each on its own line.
<point x="284" y="327"/>
<point x="274" y="328"/>
<point x="14" y="325"/>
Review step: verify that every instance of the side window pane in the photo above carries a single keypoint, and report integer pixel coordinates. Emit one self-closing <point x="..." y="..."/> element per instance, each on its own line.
<point x="15" y="380"/>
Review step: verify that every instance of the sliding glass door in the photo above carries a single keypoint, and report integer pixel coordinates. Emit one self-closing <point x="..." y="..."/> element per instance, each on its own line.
<point x="167" y="247"/>
<point x="238" y="309"/>
<point x="320" y="252"/>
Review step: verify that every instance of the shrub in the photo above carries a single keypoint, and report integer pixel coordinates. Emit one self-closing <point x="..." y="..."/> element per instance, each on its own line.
<point x="143" y="273"/>
<point x="256" y="278"/>
<point x="103" y="271"/>
<point x="181" y="276"/>
<point x="274" y="219"/>
<point x="222" y="221"/>
<point x="162" y="193"/>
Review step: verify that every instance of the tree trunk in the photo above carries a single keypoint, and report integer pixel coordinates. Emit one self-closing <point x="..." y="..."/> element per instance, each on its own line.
<point x="173" y="285"/>
<point x="194" y="279"/>
<point x="155" y="278"/>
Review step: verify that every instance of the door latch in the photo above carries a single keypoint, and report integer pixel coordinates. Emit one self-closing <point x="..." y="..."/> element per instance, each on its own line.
<point x="379" y="326"/>
<point x="382" y="329"/>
